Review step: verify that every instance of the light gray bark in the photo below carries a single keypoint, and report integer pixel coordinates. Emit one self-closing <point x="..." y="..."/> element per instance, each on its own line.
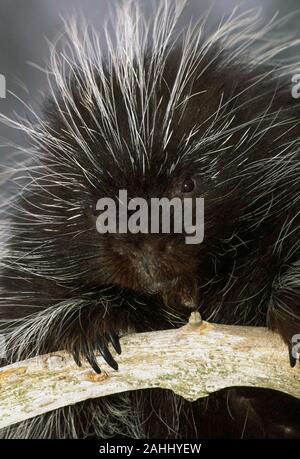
<point x="193" y="361"/>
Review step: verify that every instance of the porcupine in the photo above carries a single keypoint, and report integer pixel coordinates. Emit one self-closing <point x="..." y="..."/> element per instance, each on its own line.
<point x="162" y="112"/>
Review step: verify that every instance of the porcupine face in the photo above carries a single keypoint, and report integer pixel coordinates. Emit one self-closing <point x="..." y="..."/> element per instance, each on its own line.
<point x="148" y="154"/>
<point x="140" y="156"/>
<point x="171" y="142"/>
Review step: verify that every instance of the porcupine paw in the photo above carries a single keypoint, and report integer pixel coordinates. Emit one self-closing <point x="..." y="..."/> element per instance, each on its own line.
<point x="86" y="348"/>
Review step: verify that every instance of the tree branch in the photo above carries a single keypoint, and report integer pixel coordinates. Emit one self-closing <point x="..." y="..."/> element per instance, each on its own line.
<point x="193" y="361"/>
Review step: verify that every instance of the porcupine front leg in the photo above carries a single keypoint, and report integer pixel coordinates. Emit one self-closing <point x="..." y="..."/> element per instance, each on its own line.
<point x="84" y="326"/>
<point x="284" y="309"/>
<point x="81" y="326"/>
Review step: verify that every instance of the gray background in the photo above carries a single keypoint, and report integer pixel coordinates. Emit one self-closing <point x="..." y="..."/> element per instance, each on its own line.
<point x="25" y="25"/>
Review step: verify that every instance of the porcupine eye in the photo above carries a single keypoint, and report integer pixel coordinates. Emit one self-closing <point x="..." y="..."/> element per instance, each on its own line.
<point x="188" y="185"/>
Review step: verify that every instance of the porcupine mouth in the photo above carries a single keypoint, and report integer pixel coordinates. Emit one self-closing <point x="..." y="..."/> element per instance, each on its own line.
<point x="177" y="289"/>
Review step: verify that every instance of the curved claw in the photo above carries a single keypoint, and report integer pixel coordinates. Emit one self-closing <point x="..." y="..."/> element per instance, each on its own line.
<point x="293" y="360"/>
<point x="90" y="357"/>
<point x="75" y="355"/>
<point x="114" y="339"/>
<point x="107" y="355"/>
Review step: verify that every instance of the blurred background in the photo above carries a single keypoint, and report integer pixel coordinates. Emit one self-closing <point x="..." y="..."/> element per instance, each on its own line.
<point x="25" y="27"/>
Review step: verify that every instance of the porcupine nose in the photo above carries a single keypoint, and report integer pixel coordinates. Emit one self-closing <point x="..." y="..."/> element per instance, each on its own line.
<point x="149" y="255"/>
<point x="155" y="246"/>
